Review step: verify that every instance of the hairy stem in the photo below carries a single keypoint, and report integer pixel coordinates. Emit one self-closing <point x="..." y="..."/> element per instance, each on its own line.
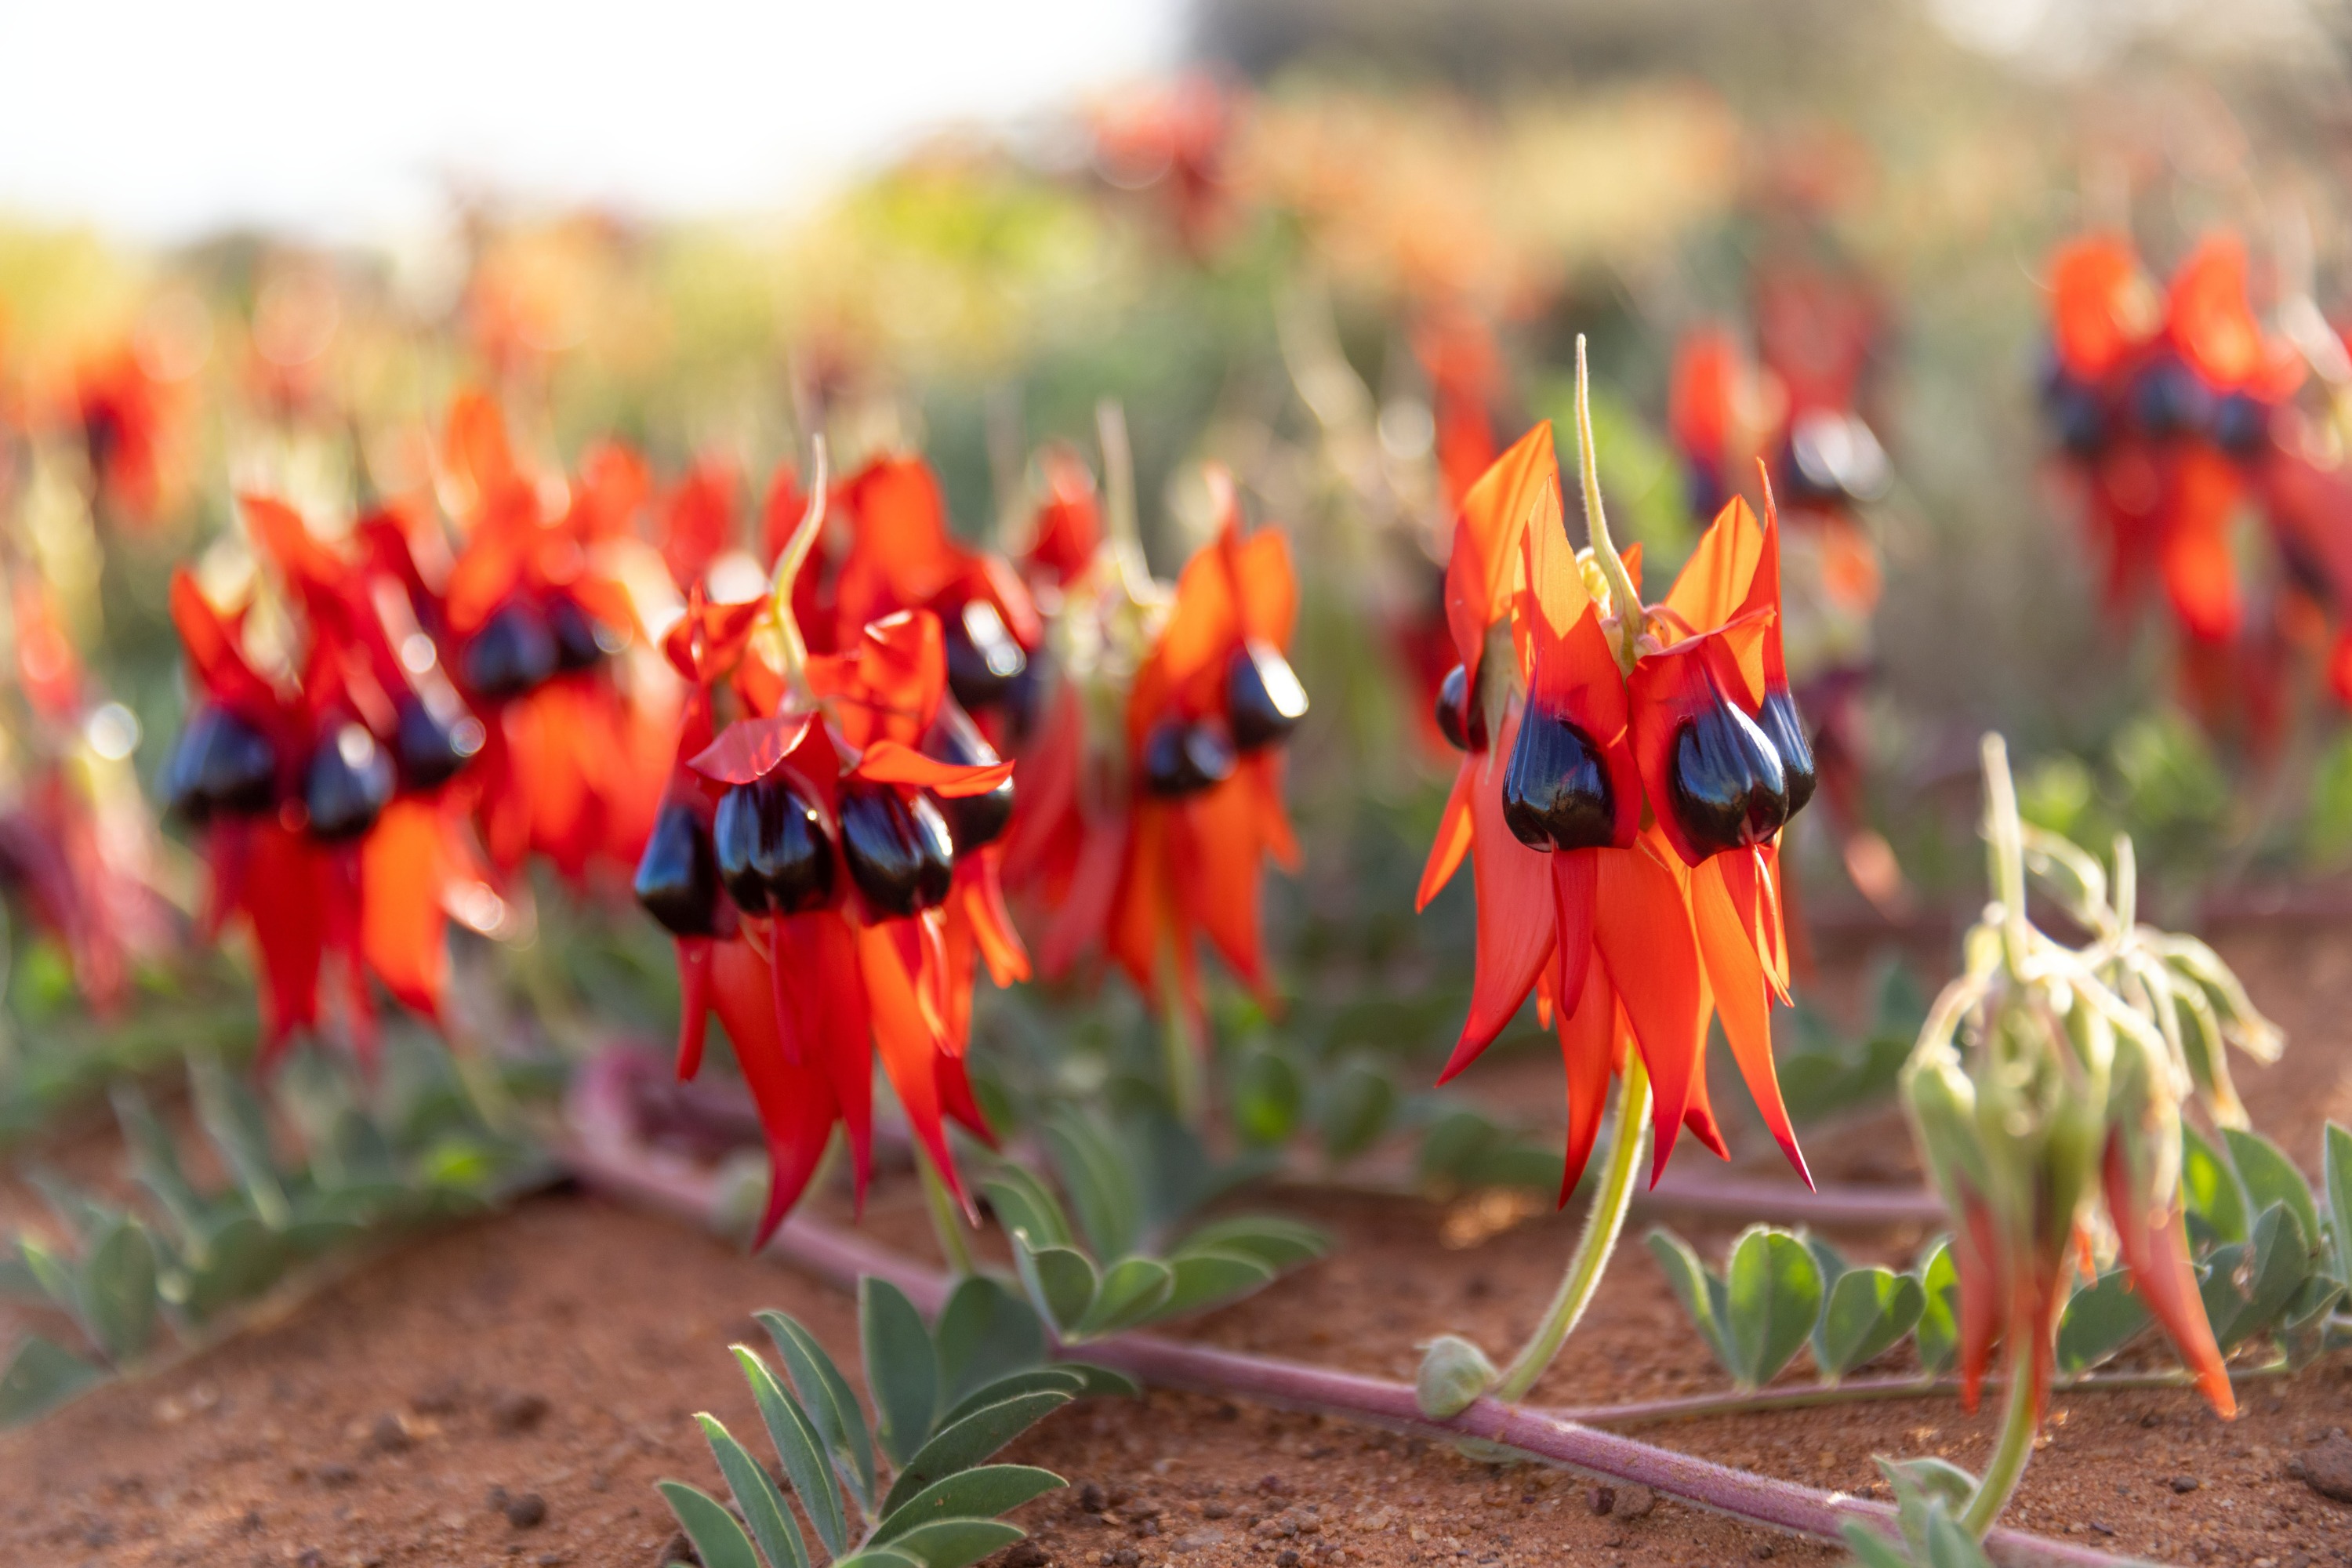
<point x="794" y="556"/>
<point x="1598" y="1239"/>
<point x="2021" y="1416"/>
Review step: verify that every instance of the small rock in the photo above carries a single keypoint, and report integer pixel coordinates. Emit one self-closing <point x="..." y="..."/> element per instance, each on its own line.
<point x="390" y="1434"/>
<point x="1762" y="1551"/>
<point x="2327" y="1468"/>
<point x="333" y="1477"/>
<point x="1271" y="1485"/>
<point x="2184" y="1483"/>
<point x="2152" y="1419"/>
<point x="1125" y="1557"/>
<point x="1600" y="1500"/>
<point x="526" y="1511"/>
<point x="552" y="1559"/>
<point x="1286" y="1558"/>
<point x="1023" y="1554"/>
<point x="676" y="1549"/>
<point x="1229" y="1411"/>
<point x="513" y="1411"/>
<point x="1092" y="1498"/>
<point x="1635" y="1501"/>
<point x="1217" y="1511"/>
<point x="439" y="1398"/>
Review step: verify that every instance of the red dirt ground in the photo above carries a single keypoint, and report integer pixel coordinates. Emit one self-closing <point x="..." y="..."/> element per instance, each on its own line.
<point x="370" y="1423"/>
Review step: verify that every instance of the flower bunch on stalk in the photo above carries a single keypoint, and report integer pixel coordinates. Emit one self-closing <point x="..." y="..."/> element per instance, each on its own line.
<point x="1154" y="789"/>
<point x="2046" y="1089"/>
<point x="1627" y="771"/>
<point x="2174" y="412"/>
<point x="318" y="764"/>
<point x="828" y="825"/>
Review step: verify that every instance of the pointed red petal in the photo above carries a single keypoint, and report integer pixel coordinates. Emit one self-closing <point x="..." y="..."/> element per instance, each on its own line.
<point x="1515" y="910"/>
<point x="750" y="749"/>
<point x="1652" y="953"/>
<point x="894" y="762"/>
<point x="1453" y="840"/>
<point x="1736" y="976"/>
<point x="1587" y="1051"/>
<point x="693" y="1001"/>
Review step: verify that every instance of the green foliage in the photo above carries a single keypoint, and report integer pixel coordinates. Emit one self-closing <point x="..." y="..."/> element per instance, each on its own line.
<point x="120" y="1277"/>
<point x="1823" y="1073"/>
<point x="1128" y="1260"/>
<point x="1929" y="1496"/>
<point x="2280" y="1275"/>
<point x="942" y="1507"/>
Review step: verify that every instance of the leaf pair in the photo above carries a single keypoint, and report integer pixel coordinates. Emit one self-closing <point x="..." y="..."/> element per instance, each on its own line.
<point x="1085" y="1298"/>
<point x="946" y="1398"/>
<point x="1929" y="1497"/>
<point x="1781" y="1291"/>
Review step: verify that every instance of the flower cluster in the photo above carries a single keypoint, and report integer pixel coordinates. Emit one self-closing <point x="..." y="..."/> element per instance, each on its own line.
<point x="1626" y="773"/>
<point x="2174" y="412"/>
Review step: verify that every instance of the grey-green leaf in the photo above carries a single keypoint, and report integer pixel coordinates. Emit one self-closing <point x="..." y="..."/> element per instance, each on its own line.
<point x="1773" y="1293"/>
<point x="1022" y="1203"/>
<point x="756" y="1494"/>
<point x="2338" y="1157"/>
<point x="1688" y="1277"/>
<point x="718" y="1540"/>
<point x="954" y="1542"/>
<point x="982" y="1493"/>
<point x="2250" y="1284"/>
<point x="1938" y="1332"/>
<point x="1067" y="1380"/>
<point x="902" y="1369"/>
<point x="879" y="1557"/>
<point x="1867" y="1311"/>
<point x="985" y="1331"/>
<point x="801" y="1447"/>
<point x="1278" y="1243"/>
<point x="2100" y="1320"/>
<point x="1060" y="1280"/>
<point x="965" y="1442"/>
<point x="2210" y="1190"/>
<point x="2270" y="1178"/>
<point x="1102" y="1184"/>
<point x="1132" y="1290"/>
<point x="843" y="1421"/>
<point x="239" y="1128"/>
<point x="1210" y="1276"/>
<point x="1361" y="1104"/>
<point x="40" y="1376"/>
<point x="118" y="1290"/>
<point x="1267" y="1098"/>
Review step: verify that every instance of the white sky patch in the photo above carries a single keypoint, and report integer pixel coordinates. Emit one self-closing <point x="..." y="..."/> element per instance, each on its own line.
<point x="164" y="119"/>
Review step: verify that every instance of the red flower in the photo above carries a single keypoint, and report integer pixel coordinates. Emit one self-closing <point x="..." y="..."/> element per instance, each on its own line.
<point x="1144" y="836"/>
<point x="1624" y="825"/>
<point x="805" y="860"/>
<point x="323" y="793"/>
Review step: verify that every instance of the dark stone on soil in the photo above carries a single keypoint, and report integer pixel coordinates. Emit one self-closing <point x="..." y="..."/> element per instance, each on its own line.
<point x="1023" y="1554"/>
<point x="390" y="1434"/>
<point x="2184" y="1483"/>
<point x="1600" y="1500"/>
<point x="526" y="1511"/>
<point x="1635" y="1501"/>
<point x="518" y="1411"/>
<point x="1286" y="1558"/>
<point x="1092" y="1498"/>
<point x="1762" y="1551"/>
<point x="676" y="1549"/>
<point x="333" y="1475"/>
<point x="2327" y="1468"/>
<point x="439" y="1398"/>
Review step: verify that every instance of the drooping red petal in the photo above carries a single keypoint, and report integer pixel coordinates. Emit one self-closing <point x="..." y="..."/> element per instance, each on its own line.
<point x="1587" y="1045"/>
<point x="1645" y="938"/>
<point x="2200" y="573"/>
<point x="693" y="1003"/>
<point x="2155" y="1249"/>
<point x="1453" y="840"/>
<point x="1515" y="910"/>
<point x="1524" y="481"/>
<point x="749" y="749"/>
<point x="908" y="1049"/>
<point x="795" y="1103"/>
<point x="1736" y="976"/>
<point x="404" y="875"/>
<point x="894" y="762"/>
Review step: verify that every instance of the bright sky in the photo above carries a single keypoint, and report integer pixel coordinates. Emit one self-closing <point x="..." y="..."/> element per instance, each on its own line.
<point x="163" y="119"/>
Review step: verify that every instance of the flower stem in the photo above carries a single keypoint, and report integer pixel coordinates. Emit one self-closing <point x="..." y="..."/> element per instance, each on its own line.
<point x="947" y="1218"/>
<point x="1601" y="1224"/>
<point x="794" y="556"/>
<point x="1628" y="606"/>
<point x="2021" y="1416"/>
<point x="1186" y="1091"/>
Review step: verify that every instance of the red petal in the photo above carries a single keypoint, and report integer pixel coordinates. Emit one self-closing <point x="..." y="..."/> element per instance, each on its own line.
<point x="1515" y="910"/>
<point x="1587" y="1053"/>
<point x="693" y="1003"/>
<point x="1736" y="976"/>
<point x="1524" y="482"/>
<point x="891" y="762"/>
<point x="908" y="1050"/>
<point x="1453" y="829"/>
<point x="750" y="749"/>
<point x="2155" y="1249"/>
<point x="1652" y="953"/>
<point x="796" y="1104"/>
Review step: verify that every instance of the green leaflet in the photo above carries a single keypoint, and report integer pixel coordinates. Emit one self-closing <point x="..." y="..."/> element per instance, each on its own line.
<point x="1938" y="1332"/>
<point x="824" y="1395"/>
<point x="802" y="1451"/>
<point x="1773" y="1293"/>
<point x="41" y="1376"/>
<point x="980" y="1493"/>
<point x="1867" y="1311"/>
<point x="954" y="1542"/>
<point x="756" y="1495"/>
<point x="967" y="1442"/>
<point x="902" y="1368"/>
<point x="1699" y="1291"/>
<point x="2100" y="1320"/>
<point x="718" y="1540"/>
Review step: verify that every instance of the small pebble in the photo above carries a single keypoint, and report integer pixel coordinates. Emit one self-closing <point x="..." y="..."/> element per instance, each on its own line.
<point x="2184" y="1483"/>
<point x="1762" y="1551"/>
<point x="334" y="1475"/>
<point x="1092" y="1498"/>
<point x="1286" y="1558"/>
<point x="2327" y="1468"/>
<point x="1025" y="1554"/>
<point x="1635" y="1501"/>
<point x="1600" y="1500"/>
<point x="527" y="1511"/>
<point x="390" y="1434"/>
<point x="676" y="1549"/>
<point x="518" y="1411"/>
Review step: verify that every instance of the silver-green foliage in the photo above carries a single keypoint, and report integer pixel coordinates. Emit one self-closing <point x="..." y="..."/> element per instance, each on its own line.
<point x="946" y="1397"/>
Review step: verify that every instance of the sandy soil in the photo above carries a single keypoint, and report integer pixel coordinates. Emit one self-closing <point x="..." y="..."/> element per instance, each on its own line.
<point x="506" y="1392"/>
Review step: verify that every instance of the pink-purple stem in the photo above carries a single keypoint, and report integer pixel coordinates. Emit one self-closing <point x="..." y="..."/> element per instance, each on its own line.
<point x="609" y="1152"/>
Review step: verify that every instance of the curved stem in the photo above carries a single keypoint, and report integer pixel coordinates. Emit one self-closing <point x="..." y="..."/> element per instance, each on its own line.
<point x="788" y="569"/>
<point x="2021" y="1416"/>
<point x="2005" y="847"/>
<point x="1122" y="528"/>
<point x="1601" y="1224"/>
<point x="1628" y="606"/>
<point x="1187" y="1090"/>
<point x="947" y="1218"/>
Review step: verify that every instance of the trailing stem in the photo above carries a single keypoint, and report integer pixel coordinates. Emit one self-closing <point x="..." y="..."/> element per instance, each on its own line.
<point x="1603" y="1223"/>
<point x="2021" y="1416"/>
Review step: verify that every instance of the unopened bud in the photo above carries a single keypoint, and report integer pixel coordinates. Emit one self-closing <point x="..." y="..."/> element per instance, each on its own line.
<point x="1454" y="1374"/>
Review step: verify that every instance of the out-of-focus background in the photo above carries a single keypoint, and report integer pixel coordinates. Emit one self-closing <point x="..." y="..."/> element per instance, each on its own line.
<point x="1347" y="250"/>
